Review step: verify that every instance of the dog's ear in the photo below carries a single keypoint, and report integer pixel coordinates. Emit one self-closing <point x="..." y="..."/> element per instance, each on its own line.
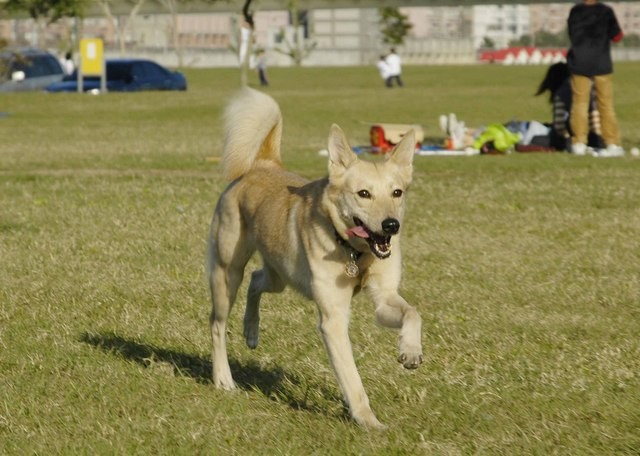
<point x="340" y="154"/>
<point x="403" y="153"/>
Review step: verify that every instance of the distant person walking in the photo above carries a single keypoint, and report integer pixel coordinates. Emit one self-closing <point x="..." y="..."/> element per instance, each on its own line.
<point x="261" y="65"/>
<point x="592" y="27"/>
<point x="395" y="68"/>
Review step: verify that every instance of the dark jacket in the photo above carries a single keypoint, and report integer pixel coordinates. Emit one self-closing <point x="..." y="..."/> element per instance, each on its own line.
<point x="591" y="30"/>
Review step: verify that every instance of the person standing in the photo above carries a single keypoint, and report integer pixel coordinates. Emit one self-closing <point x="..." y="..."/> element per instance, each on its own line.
<point x="68" y="64"/>
<point x="592" y="26"/>
<point x="383" y="69"/>
<point x="395" y="68"/>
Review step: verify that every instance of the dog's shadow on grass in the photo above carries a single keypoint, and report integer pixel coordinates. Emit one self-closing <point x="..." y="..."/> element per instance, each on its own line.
<point x="273" y="383"/>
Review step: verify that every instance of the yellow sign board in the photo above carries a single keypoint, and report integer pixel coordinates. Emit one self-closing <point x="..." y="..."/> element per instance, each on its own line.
<point x="91" y="57"/>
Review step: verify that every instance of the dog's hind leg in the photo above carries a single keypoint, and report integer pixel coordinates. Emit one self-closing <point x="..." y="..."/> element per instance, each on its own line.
<point x="265" y="280"/>
<point x="228" y="256"/>
<point x="221" y="308"/>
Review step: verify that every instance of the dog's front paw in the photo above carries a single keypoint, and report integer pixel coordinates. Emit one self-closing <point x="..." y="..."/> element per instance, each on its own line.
<point x="410" y="359"/>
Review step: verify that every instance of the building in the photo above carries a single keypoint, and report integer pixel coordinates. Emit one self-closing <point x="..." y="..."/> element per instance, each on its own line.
<point x="551" y="18"/>
<point x="499" y="24"/>
<point x="337" y="36"/>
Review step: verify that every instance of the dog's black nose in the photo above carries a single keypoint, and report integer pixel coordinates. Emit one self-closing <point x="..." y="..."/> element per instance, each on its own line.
<point x="390" y="226"/>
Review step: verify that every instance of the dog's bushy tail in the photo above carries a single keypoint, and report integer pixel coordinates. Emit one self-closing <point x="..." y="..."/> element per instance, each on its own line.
<point x="253" y="131"/>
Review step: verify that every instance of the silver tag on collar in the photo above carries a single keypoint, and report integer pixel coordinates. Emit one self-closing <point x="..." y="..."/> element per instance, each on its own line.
<point x="351" y="269"/>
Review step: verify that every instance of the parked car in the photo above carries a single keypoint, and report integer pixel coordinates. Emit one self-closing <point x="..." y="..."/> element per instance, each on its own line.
<point x="126" y="75"/>
<point x="28" y="69"/>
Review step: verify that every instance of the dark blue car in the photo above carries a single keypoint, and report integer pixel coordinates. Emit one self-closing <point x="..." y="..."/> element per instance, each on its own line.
<point x="126" y="75"/>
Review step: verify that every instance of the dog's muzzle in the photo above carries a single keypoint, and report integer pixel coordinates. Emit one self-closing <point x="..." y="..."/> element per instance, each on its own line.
<point x="379" y="244"/>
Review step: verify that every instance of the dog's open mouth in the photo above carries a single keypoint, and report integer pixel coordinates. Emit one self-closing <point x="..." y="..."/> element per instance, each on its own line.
<point x="379" y="244"/>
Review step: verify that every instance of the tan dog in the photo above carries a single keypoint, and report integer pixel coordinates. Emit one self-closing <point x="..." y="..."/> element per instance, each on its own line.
<point x="327" y="239"/>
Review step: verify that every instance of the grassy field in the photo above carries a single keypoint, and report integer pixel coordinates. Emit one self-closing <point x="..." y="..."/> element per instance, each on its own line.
<point x="524" y="268"/>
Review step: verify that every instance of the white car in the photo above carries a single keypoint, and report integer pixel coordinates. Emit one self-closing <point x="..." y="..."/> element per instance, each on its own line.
<point x="28" y="69"/>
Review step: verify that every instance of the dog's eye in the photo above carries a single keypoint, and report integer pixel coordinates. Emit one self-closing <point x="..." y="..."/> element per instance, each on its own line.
<point x="364" y="194"/>
<point x="397" y="193"/>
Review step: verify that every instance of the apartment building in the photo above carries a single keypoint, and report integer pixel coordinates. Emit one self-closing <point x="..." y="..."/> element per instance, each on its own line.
<point x="551" y="18"/>
<point x="499" y="24"/>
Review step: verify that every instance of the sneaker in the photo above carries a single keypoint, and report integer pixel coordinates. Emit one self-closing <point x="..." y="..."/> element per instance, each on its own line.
<point x="611" y="150"/>
<point x="452" y="123"/>
<point x="614" y="150"/>
<point x="458" y="135"/>
<point x="579" y="149"/>
<point x="443" y="120"/>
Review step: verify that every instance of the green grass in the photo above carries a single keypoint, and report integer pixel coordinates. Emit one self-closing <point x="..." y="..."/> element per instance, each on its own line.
<point x="524" y="268"/>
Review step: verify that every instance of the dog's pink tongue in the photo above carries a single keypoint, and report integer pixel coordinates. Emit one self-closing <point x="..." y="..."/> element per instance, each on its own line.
<point x="357" y="231"/>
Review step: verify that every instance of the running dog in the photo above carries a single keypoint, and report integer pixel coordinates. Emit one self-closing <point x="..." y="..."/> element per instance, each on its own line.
<point x="327" y="239"/>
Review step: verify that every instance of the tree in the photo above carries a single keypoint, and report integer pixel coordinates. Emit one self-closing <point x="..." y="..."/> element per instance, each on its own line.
<point x="631" y="40"/>
<point x="524" y="40"/>
<point x="3" y="64"/>
<point x="394" y="26"/>
<point x="487" y="43"/>
<point x="295" y="43"/>
<point x="45" y="12"/>
<point x="548" y="39"/>
<point x="121" y="27"/>
<point x="172" y="7"/>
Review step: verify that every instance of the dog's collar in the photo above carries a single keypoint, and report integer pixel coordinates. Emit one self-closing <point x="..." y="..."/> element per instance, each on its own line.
<point x="353" y="253"/>
<point x="351" y="269"/>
